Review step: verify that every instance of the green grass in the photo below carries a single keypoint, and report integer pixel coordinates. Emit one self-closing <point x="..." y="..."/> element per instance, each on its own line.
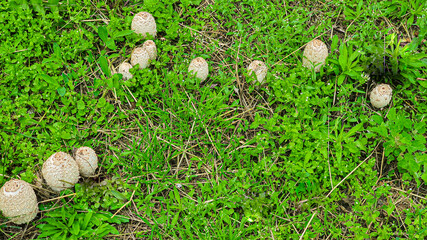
<point x="304" y="156"/>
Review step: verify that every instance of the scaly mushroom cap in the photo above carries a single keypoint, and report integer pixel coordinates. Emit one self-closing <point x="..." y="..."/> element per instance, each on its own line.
<point x="315" y="54"/>
<point x="140" y="56"/>
<point x="18" y="201"/>
<point x="124" y="70"/>
<point x="259" y="68"/>
<point x="87" y="160"/>
<point x="151" y="49"/>
<point x="381" y="95"/>
<point x="60" y="171"/>
<point x="143" y="23"/>
<point x="199" y="67"/>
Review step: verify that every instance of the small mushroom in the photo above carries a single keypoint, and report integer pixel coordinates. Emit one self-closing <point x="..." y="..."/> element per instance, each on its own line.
<point x="151" y="49"/>
<point x="124" y="70"/>
<point x="143" y="23"/>
<point x="60" y="171"/>
<point x="18" y="201"/>
<point x="87" y="160"/>
<point x="199" y="68"/>
<point x="381" y="95"/>
<point x="140" y="56"/>
<point x="259" y="68"/>
<point x="315" y="54"/>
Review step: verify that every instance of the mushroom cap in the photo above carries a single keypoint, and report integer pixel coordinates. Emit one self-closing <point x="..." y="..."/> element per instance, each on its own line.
<point x="140" y="56"/>
<point x="381" y="95"/>
<point x="87" y="160"/>
<point x="151" y="49"/>
<point x="259" y="68"/>
<point x="199" y="67"/>
<point x="143" y="23"/>
<point x="124" y="70"/>
<point x="315" y="54"/>
<point x="18" y="201"/>
<point x="60" y="171"/>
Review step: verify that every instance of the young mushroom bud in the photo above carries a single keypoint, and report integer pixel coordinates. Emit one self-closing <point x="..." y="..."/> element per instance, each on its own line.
<point x="18" y="201"/>
<point x="124" y="70"/>
<point x="199" y="68"/>
<point x="60" y="171"/>
<point x="259" y="68"/>
<point x="381" y="95"/>
<point x="151" y="49"/>
<point x="315" y="54"/>
<point x="140" y="56"/>
<point x="87" y="160"/>
<point x="143" y="23"/>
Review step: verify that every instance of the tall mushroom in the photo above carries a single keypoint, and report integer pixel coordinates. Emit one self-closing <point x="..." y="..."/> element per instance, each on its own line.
<point x="140" y="56"/>
<point x="124" y="70"/>
<point x="199" y="68"/>
<point x="381" y="95"/>
<point x="18" y="201"/>
<point x="151" y="49"/>
<point x="260" y="70"/>
<point x="143" y="23"/>
<point x="87" y="160"/>
<point x="315" y="54"/>
<point x="60" y="171"/>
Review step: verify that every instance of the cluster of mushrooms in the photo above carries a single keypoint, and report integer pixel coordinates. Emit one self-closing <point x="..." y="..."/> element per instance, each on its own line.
<point x="314" y="57"/>
<point x="60" y="171"/>
<point x="18" y="200"/>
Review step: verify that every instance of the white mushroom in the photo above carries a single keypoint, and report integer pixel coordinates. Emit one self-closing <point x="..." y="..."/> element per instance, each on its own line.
<point x="60" y="171"/>
<point x="151" y="49"/>
<point x="87" y="160"/>
<point x="199" y="68"/>
<point x="259" y="68"/>
<point x="124" y="70"/>
<point x="315" y="54"/>
<point x="381" y="95"/>
<point x="140" y="56"/>
<point x="143" y="23"/>
<point x="18" y="201"/>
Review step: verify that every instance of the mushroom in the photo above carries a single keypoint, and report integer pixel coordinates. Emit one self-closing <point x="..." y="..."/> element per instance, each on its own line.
<point x="140" y="56"/>
<point x="199" y="68"/>
<point x="18" y="201"/>
<point x="315" y="54"/>
<point x="87" y="160"/>
<point x="124" y="70"/>
<point x="143" y="23"/>
<point x="151" y="49"/>
<point x="259" y="68"/>
<point x="60" y="171"/>
<point x="381" y="95"/>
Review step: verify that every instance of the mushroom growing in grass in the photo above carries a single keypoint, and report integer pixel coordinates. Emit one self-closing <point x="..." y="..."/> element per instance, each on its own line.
<point x="151" y="49"/>
<point x="18" y="201"/>
<point x="87" y="160"/>
<point x="140" y="56"/>
<point x="381" y="95"/>
<point x="315" y="54"/>
<point x="60" y="171"/>
<point x="259" y="68"/>
<point x="124" y="70"/>
<point x="143" y="23"/>
<point x="199" y="68"/>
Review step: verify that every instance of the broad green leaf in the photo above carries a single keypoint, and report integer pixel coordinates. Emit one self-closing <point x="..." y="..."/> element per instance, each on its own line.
<point x="103" y="33"/>
<point x="343" y="57"/>
<point x="61" y="91"/>
<point x="103" y="63"/>
<point x="353" y="130"/>
<point x="86" y="220"/>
